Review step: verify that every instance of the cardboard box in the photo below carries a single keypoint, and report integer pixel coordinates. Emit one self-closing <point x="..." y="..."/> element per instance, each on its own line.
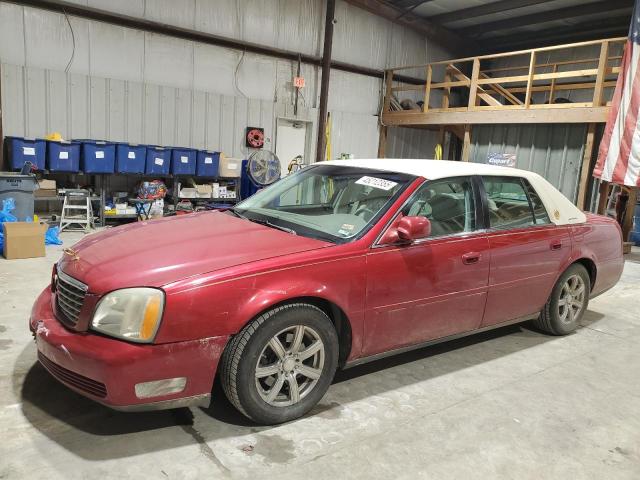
<point x="204" y="191"/>
<point x="46" y="188"/>
<point x="23" y="239"/>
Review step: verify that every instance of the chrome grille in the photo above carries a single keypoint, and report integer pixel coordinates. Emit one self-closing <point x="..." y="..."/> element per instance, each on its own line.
<point x="70" y="295"/>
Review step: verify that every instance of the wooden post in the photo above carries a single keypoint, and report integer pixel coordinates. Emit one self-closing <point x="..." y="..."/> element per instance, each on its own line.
<point x="627" y="222"/>
<point x="552" y="88"/>
<point x="388" y="81"/>
<point x="447" y="90"/>
<point x="466" y="143"/>
<point x="532" y="69"/>
<point x="586" y="166"/>
<point x="382" y="141"/>
<point x="473" y="88"/>
<point x="427" y="89"/>
<point x="604" y="197"/>
<point x="600" y="76"/>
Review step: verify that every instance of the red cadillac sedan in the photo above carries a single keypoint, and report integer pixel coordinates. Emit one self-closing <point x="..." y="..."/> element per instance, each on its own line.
<point x="340" y="263"/>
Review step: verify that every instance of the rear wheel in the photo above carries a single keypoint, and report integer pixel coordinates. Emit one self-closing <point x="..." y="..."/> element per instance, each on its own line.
<point x="281" y="364"/>
<point x="567" y="303"/>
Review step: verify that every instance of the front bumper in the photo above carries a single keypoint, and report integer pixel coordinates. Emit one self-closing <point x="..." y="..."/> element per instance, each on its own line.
<point x="107" y="370"/>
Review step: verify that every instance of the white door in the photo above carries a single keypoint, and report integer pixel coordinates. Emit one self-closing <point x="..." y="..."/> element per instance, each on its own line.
<point x="291" y="140"/>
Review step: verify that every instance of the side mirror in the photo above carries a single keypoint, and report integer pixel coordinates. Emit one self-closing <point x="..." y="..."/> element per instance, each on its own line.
<point x="407" y="230"/>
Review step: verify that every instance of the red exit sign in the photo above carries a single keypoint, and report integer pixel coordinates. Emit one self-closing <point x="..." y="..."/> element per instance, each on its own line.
<point x="298" y="82"/>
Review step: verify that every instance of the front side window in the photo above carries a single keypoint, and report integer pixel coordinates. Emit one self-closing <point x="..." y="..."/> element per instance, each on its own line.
<point x="513" y="203"/>
<point x="329" y="202"/>
<point x="448" y="204"/>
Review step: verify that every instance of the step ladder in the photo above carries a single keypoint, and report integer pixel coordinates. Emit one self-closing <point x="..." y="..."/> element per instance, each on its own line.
<point x="77" y="213"/>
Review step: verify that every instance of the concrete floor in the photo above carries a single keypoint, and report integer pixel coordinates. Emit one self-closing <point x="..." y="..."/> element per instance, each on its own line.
<point x="512" y="403"/>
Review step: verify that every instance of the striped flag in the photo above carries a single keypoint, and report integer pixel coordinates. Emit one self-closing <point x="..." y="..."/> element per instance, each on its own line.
<point x="619" y="153"/>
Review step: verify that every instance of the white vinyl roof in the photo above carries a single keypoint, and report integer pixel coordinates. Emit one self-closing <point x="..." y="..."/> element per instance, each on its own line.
<point x="560" y="209"/>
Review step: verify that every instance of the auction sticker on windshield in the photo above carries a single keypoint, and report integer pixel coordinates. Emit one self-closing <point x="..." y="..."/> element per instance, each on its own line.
<point x="380" y="183"/>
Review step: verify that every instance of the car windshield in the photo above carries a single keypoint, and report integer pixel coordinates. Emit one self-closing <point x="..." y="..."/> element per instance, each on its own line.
<point x="329" y="202"/>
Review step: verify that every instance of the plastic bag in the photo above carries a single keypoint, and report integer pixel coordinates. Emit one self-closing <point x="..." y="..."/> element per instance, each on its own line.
<point x="8" y="205"/>
<point x="51" y="237"/>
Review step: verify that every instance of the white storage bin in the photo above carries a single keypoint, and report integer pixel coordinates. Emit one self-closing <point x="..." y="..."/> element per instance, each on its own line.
<point x="229" y="167"/>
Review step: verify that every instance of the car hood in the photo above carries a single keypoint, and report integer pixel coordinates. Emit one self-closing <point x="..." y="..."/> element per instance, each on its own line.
<point x="161" y="251"/>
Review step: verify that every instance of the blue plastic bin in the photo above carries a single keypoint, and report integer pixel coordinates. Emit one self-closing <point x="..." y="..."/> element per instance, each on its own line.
<point x="23" y="150"/>
<point x="183" y="161"/>
<point x="63" y="156"/>
<point x="97" y="156"/>
<point x="207" y="163"/>
<point x="158" y="160"/>
<point x="130" y="158"/>
<point x="635" y="233"/>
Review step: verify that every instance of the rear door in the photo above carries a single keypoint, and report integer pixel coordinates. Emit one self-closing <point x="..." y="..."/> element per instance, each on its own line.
<point x="527" y="250"/>
<point x="434" y="287"/>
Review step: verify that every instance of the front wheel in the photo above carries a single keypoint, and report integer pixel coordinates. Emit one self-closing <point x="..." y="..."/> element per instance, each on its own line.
<point x="281" y="364"/>
<point x="568" y="301"/>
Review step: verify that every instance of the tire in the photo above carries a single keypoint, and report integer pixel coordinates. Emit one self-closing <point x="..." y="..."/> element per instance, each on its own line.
<point x="560" y="315"/>
<point x="253" y="364"/>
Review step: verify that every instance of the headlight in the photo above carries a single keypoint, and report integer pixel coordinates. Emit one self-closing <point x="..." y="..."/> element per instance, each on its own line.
<point x="131" y="314"/>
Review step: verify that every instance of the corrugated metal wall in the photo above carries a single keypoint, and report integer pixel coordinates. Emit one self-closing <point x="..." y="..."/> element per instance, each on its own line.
<point x="553" y="151"/>
<point x="124" y="84"/>
<point x="79" y="106"/>
<point x="410" y="143"/>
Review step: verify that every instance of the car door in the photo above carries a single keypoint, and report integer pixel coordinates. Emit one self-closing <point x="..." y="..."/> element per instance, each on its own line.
<point x="527" y="250"/>
<point x="436" y="286"/>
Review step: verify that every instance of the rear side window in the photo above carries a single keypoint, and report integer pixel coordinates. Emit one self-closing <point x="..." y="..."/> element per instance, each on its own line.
<point x="513" y="203"/>
<point x="539" y="210"/>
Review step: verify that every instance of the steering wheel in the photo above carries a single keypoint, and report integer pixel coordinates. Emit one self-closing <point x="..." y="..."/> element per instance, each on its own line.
<point x="365" y="213"/>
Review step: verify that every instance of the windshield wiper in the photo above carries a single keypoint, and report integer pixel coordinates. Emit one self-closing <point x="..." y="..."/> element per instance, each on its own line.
<point x="272" y="225"/>
<point x="266" y="223"/>
<point x="237" y="214"/>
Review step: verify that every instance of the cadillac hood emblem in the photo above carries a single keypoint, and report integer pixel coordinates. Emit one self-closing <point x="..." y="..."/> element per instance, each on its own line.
<point x="72" y="253"/>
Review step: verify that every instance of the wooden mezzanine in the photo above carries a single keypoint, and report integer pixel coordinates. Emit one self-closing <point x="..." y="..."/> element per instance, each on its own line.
<point x="527" y="90"/>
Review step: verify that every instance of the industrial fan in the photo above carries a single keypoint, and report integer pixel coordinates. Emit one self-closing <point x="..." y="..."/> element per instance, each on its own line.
<point x="260" y="170"/>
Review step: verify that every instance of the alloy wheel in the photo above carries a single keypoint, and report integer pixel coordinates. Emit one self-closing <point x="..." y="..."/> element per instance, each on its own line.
<point x="572" y="299"/>
<point x="289" y="366"/>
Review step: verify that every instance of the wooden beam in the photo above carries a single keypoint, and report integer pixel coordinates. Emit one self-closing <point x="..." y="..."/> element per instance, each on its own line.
<point x="382" y="142"/>
<point x="454" y="41"/>
<point x="447" y="90"/>
<point x="568" y="36"/>
<point x="600" y="76"/>
<point x="627" y="221"/>
<point x="542" y="34"/>
<point x="604" y="197"/>
<point x="388" y="81"/>
<point x="466" y="144"/>
<point x="477" y="91"/>
<point x="516" y="53"/>
<point x="549" y="16"/>
<point x="498" y="115"/>
<point x="500" y="90"/>
<point x="561" y="86"/>
<point x="532" y="69"/>
<point x="427" y="88"/>
<point x="482" y="10"/>
<point x="552" y="89"/>
<point x="543" y="65"/>
<point x="585" y="169"/>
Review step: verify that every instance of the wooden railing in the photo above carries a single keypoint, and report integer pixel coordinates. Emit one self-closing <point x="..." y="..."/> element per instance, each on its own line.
<point x="490" y="87"/>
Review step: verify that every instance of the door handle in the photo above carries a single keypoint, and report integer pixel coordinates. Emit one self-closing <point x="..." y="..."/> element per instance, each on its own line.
<point x="471" y="258"/>
<point x="557" y="245"/>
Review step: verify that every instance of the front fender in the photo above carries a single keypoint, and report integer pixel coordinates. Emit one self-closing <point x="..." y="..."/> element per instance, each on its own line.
<point x="202" y="307"/>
